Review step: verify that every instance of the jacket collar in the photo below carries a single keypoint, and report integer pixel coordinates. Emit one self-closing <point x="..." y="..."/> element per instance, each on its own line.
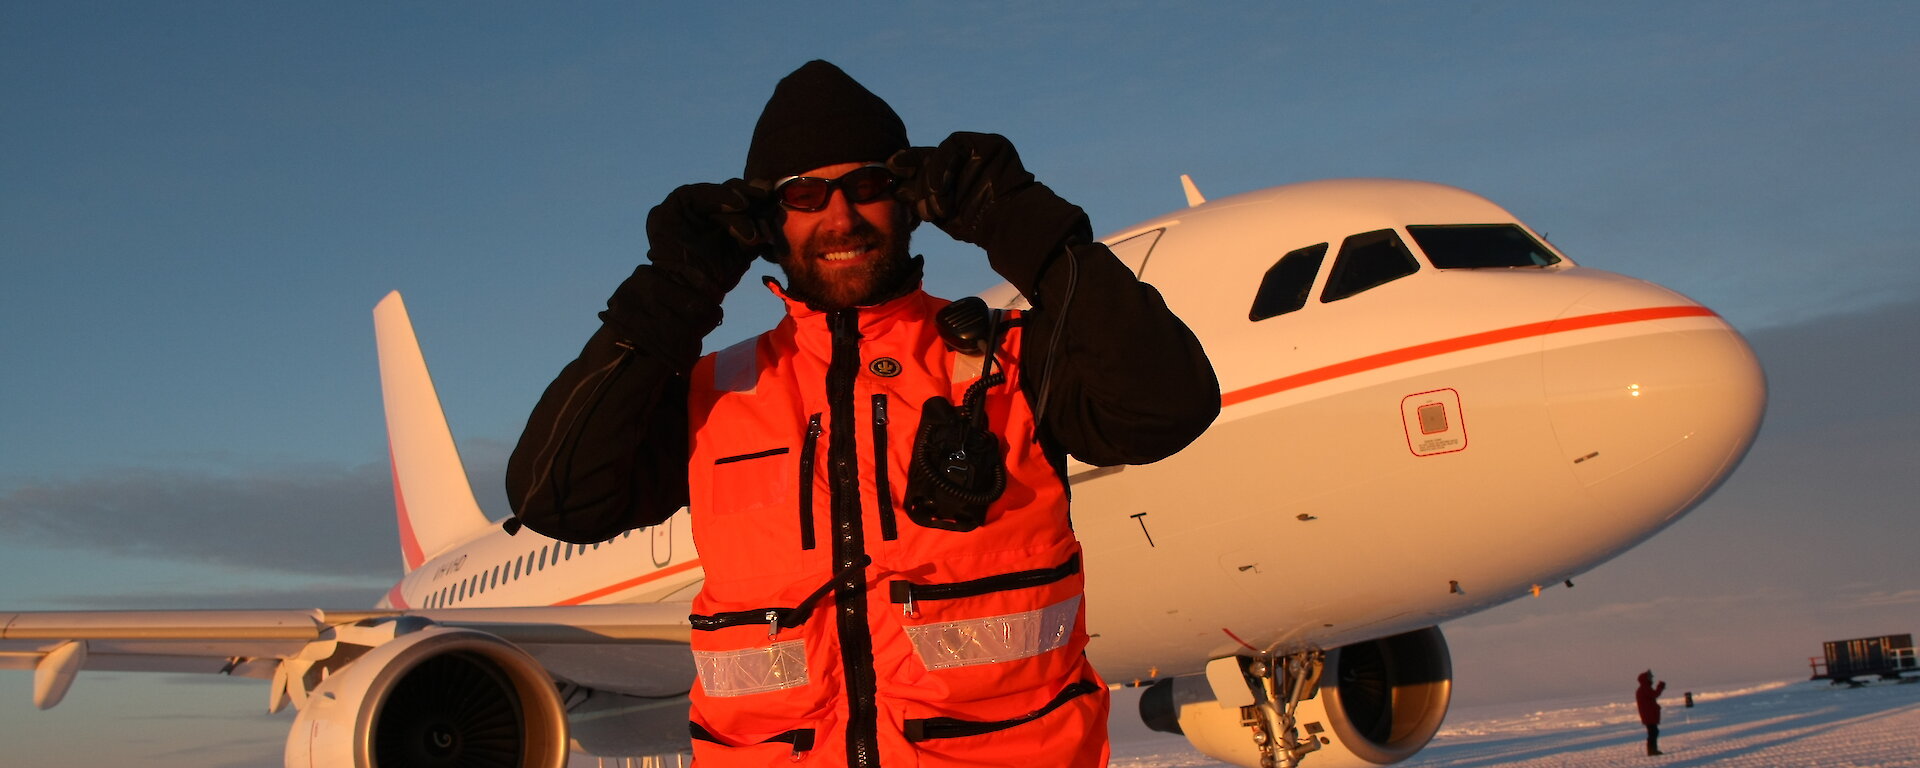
<point x="809" y="325"/>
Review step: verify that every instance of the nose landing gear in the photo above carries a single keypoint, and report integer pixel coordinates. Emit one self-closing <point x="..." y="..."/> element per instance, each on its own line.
<point x="1275" y="685"/>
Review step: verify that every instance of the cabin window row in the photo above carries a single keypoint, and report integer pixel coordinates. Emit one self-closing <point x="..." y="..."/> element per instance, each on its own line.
<point x="508" y="572"/>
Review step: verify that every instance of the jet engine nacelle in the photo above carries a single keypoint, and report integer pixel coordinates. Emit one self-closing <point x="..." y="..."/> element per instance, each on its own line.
<point x="435" y="696"/>
<point x="1378" y="702"/>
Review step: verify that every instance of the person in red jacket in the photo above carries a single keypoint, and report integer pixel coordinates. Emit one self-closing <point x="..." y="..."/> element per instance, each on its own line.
<point x="878" y="484"/>
<point x="1648" y="697"/>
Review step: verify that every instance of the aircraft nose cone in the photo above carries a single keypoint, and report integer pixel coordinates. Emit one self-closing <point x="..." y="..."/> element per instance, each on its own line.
<point x="1653" y="403"/>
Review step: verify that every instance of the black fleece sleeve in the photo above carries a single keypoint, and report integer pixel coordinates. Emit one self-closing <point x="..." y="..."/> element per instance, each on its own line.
<point x="605" y="450"/>
<point x="1121" y="378"/>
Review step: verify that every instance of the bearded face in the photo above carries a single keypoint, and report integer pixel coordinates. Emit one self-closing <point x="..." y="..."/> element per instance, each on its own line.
<point x="846" y="254"/>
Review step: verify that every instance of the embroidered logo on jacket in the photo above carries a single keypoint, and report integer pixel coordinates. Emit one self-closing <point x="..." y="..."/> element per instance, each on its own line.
<point x="886" y="367"/>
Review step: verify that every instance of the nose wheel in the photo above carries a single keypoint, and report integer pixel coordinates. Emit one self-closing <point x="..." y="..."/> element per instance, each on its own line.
<point x="1279" y="683"/>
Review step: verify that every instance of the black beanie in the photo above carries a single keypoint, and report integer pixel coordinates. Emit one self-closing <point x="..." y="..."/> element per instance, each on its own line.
<point x="818" y="116"/>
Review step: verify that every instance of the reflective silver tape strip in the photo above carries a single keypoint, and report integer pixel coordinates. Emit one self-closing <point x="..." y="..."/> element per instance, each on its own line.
<point x="965" y="367"/>
<point x="736" y="368"/>
<point x="993" y="639"/>
<point x="752" y="670"/>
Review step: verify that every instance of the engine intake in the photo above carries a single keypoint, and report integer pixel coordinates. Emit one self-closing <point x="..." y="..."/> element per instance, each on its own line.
<point x="429" y="698"/>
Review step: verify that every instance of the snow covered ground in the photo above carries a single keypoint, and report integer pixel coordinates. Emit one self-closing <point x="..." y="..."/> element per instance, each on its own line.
<point x="1754" y="726"/>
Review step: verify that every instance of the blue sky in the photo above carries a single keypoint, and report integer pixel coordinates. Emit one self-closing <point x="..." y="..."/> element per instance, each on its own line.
<point x="201" y="202"/>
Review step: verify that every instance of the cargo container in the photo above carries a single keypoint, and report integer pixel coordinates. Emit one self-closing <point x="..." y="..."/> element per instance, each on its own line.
<point x="1887" y="657"/>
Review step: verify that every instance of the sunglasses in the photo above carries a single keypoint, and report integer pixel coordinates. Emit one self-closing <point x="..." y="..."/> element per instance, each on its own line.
<point x="811" y="193"/>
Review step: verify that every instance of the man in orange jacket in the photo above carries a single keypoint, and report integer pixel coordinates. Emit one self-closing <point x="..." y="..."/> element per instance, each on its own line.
<point x="878" y="484"/>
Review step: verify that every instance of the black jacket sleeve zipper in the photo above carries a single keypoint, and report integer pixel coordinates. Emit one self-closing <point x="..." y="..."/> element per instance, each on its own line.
<point x="569" y="433"/>
<point x="908" y="594"/>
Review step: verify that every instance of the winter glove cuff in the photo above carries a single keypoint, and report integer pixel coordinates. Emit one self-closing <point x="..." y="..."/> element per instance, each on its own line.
<point x="665" y="310"/>
<point x="715" y="230"/>
<point x="1025" y="231"/>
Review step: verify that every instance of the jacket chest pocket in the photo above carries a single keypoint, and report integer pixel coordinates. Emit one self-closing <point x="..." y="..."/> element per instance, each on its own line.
<point x="752" y="482"/>
<point x="755" y="505"/>
<point x="765" y="678"/>
<point x="978" y="635"/>
<point x="732" y="659"/>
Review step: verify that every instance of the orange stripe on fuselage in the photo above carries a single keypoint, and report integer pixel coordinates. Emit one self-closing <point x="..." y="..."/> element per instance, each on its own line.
<point x="1456" y="344"/>
<point x="633" y="582"/>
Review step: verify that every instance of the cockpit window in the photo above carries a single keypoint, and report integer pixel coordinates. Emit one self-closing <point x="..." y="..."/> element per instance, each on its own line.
<point x="1368" y="260"/>
<point x="1287" y="283"/>
<point x="1475" y="246"/>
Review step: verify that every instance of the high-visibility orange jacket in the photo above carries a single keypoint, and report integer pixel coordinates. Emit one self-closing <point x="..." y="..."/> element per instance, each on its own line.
<point x="831" y="628"/>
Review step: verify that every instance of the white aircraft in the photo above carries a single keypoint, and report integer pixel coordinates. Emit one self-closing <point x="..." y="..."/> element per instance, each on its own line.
<point x="1429" y="410"/>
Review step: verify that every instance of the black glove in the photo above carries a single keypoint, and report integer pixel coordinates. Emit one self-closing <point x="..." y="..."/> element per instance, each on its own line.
<point x="974" y="188"/>
<point x="701" y="240"/>
<point x="955" y="185"/>
<point x="713" y="230"/>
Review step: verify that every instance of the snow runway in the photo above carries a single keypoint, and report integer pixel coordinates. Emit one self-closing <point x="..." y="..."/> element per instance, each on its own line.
<point x="1755" y="726"/>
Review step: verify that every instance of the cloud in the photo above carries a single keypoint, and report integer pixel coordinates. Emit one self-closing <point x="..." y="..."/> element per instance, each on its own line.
<point x="1843" y="368"/>
<point x="1888" y="598"/>
<point x="310" y="519"/>
<point x="262" y="519"/>
<point x="339" y="594"/>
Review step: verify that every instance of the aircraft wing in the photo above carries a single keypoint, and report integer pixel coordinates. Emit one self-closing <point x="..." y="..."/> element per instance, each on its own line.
<point x="639" y="649"/>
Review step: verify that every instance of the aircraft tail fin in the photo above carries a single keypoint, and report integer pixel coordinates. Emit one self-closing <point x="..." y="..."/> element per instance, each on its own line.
<point x="1194" y="198"/>
<point x="432" y="497"/>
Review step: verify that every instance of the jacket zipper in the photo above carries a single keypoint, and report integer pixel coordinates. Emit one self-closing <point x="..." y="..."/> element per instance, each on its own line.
<point x="909" y="594"/>
<point x="888" y="530"/>
<point x="750" y="456"/>
<point x="950" y="727"/>
<point x="801" y="739"/>
<point x="807" y="451"/>
<point x="849" y="545"/>
<point x="775" y="618"/>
